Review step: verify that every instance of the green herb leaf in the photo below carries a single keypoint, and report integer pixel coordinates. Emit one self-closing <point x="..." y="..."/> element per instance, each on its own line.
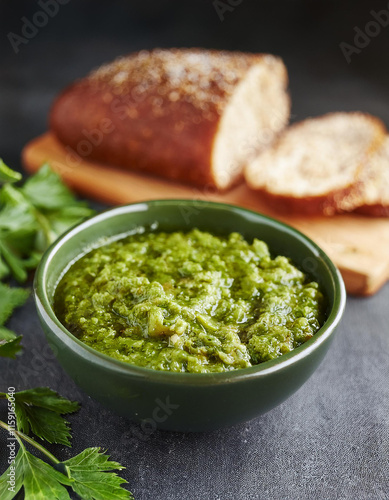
<point x="88" y="473"/>
<point x="15" y="213"/>
<point x="15" y="264"/>
<point x="8" y="175"/>
<point x="18" y="229"/>
<point x="61" y="220"/>
<point x="90" y="478"/>
<point x="8" y="490"/>
<point x="6" y="334"/>
<point x="17" y="233"/>
<point x="45" y="190"/>
<point x="39" y="411"/>
<point x="32" y="217"/>
<point x="10" y="298"/>
<point x="10" y="196"/>
<point x="4" y="269"/>
<point x="39" y="479"/>
<point x="9" y="343"/>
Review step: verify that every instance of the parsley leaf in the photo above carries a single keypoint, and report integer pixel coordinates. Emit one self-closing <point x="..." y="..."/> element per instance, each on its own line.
<point x="32" y="217"/>
<point x="15" y="214"/>
<point x="4" y="271"/>
<point x="45" y="190"/>
<point x="40" y="410"/>
<point x="15" y="264"/>
<point x="39" y="479"/>
<point x="91" y="481"/>
<point x="61" y="220"/>
<point x="8" y="491"/>
<point x="88" y="473"/>
<point x="9" y="343"/>
<point x="18" y="229"/>
<point x="8" y="175"/>
<point x="10" y="298"/>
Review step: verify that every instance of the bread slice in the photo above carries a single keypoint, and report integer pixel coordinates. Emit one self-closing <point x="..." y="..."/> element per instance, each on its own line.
<point x="191" y="115"/>
<point x="374" y="191"/>
<point x="314" y="165"/>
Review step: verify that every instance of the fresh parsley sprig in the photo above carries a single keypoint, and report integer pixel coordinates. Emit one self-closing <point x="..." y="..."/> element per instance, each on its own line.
<point x="10" y="299"/>
<point x="39" y="411"/>
<point x="32" y="216"/>
<point x="7" y="174"/>
<point x="89" y="474"/>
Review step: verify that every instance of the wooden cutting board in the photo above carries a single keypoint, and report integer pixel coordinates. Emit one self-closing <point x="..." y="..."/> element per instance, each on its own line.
<point x="358" y="245"/>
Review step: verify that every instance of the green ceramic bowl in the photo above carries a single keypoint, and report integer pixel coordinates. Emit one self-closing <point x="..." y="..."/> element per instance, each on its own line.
<point x="186" y="401"/>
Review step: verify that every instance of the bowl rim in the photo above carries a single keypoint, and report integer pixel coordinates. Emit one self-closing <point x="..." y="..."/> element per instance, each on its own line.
<point x="260" y="370"/>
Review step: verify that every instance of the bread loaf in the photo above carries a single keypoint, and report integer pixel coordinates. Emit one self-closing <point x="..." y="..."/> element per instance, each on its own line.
<point x="187" y="114"/>
<point x="374" y="191"/>
<point x="315" y="166"/>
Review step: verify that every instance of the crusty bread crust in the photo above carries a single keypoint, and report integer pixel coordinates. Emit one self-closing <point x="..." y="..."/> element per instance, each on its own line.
<point x="157" y="112"/>
<point x="335" y="202"/>
<point x="376" y="210"/>
<point x="309" y="205"/>
<point x="345" y="198"/>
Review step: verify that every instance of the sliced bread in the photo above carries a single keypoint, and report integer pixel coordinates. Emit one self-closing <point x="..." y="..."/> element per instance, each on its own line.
<point x="314" y="166"/>
<point x="374" y="194"/>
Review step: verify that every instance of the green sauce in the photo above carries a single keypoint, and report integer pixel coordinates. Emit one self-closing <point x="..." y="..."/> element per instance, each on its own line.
<point x="188" y="302"/>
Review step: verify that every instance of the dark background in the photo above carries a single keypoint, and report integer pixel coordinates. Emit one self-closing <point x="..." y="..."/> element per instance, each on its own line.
<point x="331" y="439"/>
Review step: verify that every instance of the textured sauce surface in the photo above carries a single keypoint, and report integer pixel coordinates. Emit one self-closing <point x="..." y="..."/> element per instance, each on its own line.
<point x="189" y="302"/>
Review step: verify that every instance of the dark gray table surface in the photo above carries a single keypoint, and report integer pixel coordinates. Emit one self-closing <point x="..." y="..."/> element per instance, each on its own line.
<point x="330" y="440"/>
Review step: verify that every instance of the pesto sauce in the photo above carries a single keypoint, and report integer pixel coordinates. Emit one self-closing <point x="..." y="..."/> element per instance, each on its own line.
<point x="188" y="302"/>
